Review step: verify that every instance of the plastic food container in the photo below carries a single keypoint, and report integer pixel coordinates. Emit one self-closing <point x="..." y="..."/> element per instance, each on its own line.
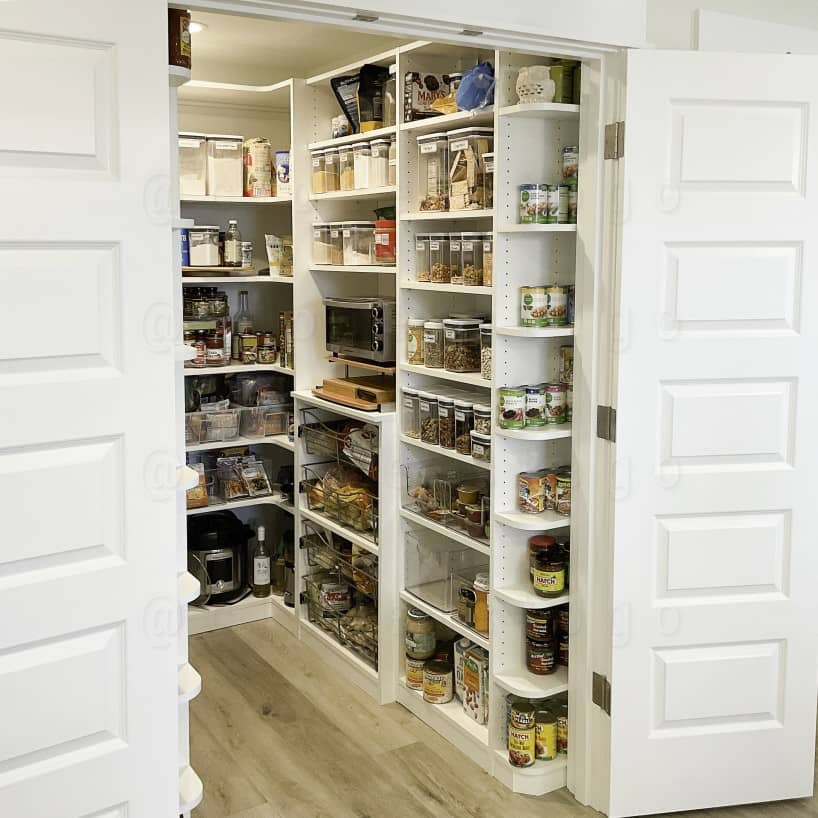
<point x="461" y="345"/>
<point x="471" y="257"/>
<point x="336" y="241"/>
<point x="225" y="170"/>
<point x="362" y="160"/>
<point x="463" y="424"/>
<point x="440" y="269"/>
<point x="446" y="422"/>
<point x="359" y="242"/>
<point x="319" y="180"/>
<point x="204" y="246"/>
<point x="429" y="430"/>
<point x="414" y="341"/>
<point x="346" y="168"/>
<point x="433" y="344"/>
<point x="422" y="268"/>
<point x="192" y="164"/>
<point x="392" y="174"/>
<point x="485" y="351"/>
<point x="488" y="178"/>
<point x="480" y="446"/>
<point x="379" y="163"/>
<point x="331" y="170"/>
<point x="433" y="169"/>
<point x="321" y="247"/>
<point x="488" y="259"/>
<point x="410" y="413"/>
<point x="385" y="241"/>
<point x="482" y="419"/>
<point x="455" y="258"/>
<point x="467" y="147"/>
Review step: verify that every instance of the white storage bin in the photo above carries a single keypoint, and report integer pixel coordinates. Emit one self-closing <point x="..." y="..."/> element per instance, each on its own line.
<point x="192" y="164"/>
<point x="225" y="174"/>
<point x="204" y="246"/>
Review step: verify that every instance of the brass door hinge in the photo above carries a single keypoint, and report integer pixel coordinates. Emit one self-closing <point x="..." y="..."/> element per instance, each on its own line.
<point x="615" y="140"/>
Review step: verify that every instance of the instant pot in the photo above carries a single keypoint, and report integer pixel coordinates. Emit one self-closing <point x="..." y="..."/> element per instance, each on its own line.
<point x="216" y="556"/>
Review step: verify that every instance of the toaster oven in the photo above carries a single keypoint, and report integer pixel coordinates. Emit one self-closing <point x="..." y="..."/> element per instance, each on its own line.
<point x="362" y="328"/>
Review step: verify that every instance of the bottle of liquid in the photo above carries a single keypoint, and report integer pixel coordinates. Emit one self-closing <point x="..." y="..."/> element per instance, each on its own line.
<point x="232" y="245"/>
<point x="242" y="323"/>
<point x="261" y="566"/>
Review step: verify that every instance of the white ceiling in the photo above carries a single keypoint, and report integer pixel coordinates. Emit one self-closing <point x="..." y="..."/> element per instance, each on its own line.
<point x="258" y="50"/>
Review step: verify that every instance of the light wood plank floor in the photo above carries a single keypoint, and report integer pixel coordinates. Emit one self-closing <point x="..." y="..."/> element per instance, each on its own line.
<point x="274" y="734"/>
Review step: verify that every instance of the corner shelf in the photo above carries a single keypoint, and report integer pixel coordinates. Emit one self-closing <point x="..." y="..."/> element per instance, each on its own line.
<point x="542" y="777"/>
<point x="345" y="411"/>
<point x="450" y="453"/>
<point x="378" y="133"/>
<point x="354" y="268"/>
<point x="556" y="431"/>
<point x="449" y="215"/>
<point x="446" y="288"/>
<point x="541" y="110"/>
<point x="282" y="441"/>
<point x="536" y="228"/>
<point x="347" y="195"/>
<point x="471" y="378"/>
<point x="233" y="368"/>
<point x="279" y="502"/>
<point x="449" y="122"/>
<point x="530" y="686"/>
<point x="256" y="200"/>
<point x="202" y="619"/>
<point x="524" y="597"/>
<point x="535" y="332"/>
<point x="544" y="521"/>
<point x="237" y="280"/>
<point x="449" y="620"/>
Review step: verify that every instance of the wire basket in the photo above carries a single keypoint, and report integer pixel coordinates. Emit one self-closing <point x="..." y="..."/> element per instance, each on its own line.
<point x="534" y="84"/>
<point x="342" y="440"/>
<point x="330" y="552"/>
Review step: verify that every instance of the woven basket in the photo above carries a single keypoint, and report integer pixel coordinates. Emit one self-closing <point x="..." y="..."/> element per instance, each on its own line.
<point x="534" y="84"/>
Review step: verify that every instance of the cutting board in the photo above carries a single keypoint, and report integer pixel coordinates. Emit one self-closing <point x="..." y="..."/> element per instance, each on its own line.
<point x="367" y="392"/>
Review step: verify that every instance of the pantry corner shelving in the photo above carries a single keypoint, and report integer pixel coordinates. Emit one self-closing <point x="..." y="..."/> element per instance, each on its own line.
<point x="529" y="686"/>
<point x="544" y="521"/>
<point x="447" y="215"/>
<point x="375" y="269"/>
<point x="448" y="620"/>
<point x="470" y="378"/>
<point x="524" y="597"/>
<point x="448" y="122"/>
<point x="541" y="110"/>
<point x="535" y="332"/>
<point x="231" y="369"/>
<point x="279" y="502"/>
<point x="351" y="195"/>
<point x="457" y="289"/>
<point x="242" y="200"/>
<point x="557" y="431"/>
<point x="536" y="228"/>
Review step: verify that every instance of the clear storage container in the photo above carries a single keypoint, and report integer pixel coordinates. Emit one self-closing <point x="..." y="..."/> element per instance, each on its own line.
<point x="362" y="163"/>
<point x="480" y="446"/>
<point x="466" y="148"/>
<point x="488" y="179"/>
<point x="463" y="424"/>
<point x="461" y="339"/>
<point x="422" y="269"/>
<point x="482" y="419"/>
<point x="429" y="430"/>
<point x="433" y="172"/>
<point x="440" y="270"/>
<point x="414" y="341"/>
<point x="318" y="182"/>
<point x="433" y="344"/>
<point x="336" y="241"/>
<point x="446" y="422"/>
<point x="488" y="260"/>
<point x="385" y="252"/>
<point x="471" y="246"/>
<point x="225" y="167"/>
<point x="379" y="163"/>
<point x="410" y="413"/>
<point x="455" y="258"/>
<point x="485" y="351"/>
<point x="321" y="246"/>
<point x="203" y="241"/>
<point x="331" y="170"/>
<point x="359" y="242"/>
<point x="287" y="256"/>
<point x="192" y="164"/>
<point x="346" y="168"/>
<point x="393" y="161"/>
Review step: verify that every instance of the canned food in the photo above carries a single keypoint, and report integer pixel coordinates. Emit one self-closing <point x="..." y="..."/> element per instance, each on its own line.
<point x="529" y="203"/>
<point x="545" y="731"/>
<point x="570" y="303"/>
<point x="555" y="402"/>
<point x="414" y="673"/>
<point x="563" y="214"/>
<point x="569" y="403"/>
<point x="570" y="164"/>
<point x="550" y="491"/>
<point x="549" y="204"/>
<point x="535" y="406"/>
<point x="563" y="499"/>
<point x="533" y="307"/>
<point x="562" y="730"/>
<point x="521" y="734"/>
<point x="248" y="348"/>
<point x="567" y="364"/>
<point x="511" y="407"/>
<point x="531" y="491"/>
<point x="556" y="302"/>
<point x="247" y="254"/>
<point x="437" y="682"/>
<point x="572" y="205"/>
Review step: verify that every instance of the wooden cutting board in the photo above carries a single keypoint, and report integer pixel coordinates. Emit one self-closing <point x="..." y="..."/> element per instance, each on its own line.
<point x="367" y="392"/>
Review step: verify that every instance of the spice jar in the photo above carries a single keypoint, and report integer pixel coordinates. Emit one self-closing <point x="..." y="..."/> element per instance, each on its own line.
<point x="446" y="422"/>
<point x="488" y="260"/>
<point x="362" y="162"/>
<point x="379" y="163"/>
<point x="536" y="544"/>
<point x="332" y="172"/>
<point x="392" y="174"/>
<point x="422" y="269"/>
<point x="549" y="572"/>
<point x="545" y="734"/>
<point x="463" y="424"/>
<point x="482" y="419"/>
<point x="385" y="241"/>
<point x="433" y="169"/>
<point x="410" y="413"/>
<point x="481" y="603"/>
<point x="471" y="247"/>
<point x="539" y="624"/>
<point x="321" y="247"/>
<point x="440" y="270"/>
<point x="414" y="341"/>
<point x="319" y="180"/>
<point x="480" y="446"/>
<point x="461" y="345"/>
<point x="346" y="168"/>
<point x="540" y="657"/>
<point x="429" y="429"/>
<point x="485" y="351"/>
<point x="433" y="344"/>
<point x="420" y="634"/>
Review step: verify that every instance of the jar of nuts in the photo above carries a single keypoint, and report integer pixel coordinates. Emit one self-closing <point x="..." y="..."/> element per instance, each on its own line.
<point x="471" y="248"/>
<point x="422" y="268"/>
<point x="456" y="258"/>
<point x="461" y="339"/>
<point x="410" y="413"/>
<point x="485" y="351"/>
<point x="446" y="421"/>
<point x="463" y="424"/>
<point x="482" y="419"/>
<point x="414" y="341"/>
<point x="433" y="344"/>
<point x="488" y="260"/>
<point x="440" y="271"/>
<point x="429" y="422"/>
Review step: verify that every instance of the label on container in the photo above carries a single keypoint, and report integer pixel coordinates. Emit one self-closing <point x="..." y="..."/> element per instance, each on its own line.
<point x="468" y="245"/>
<point x="428" y="147"/>
<point x="434" y="245"/>
<point x="190" y="143"/>
<point x="382" y="238"/>
<point x="414" y="673"/>
<point x="454" y="246"/>
<point x="227" y="146"/>
<point x="422" y="644"/>
<point x="486" y="246"/>
<point x="521" y="746"/>
<point x="551" y="582"/>
<point x="459" y="145"/>
<point x="419" y="246"/>
<point x="316" y="162"/>
<point x="478" y="450"/>
<point x="430" y="337"/>
<point x="450" y="334"/>
<point x="347" y="233"/>
<point x="334" y="233"/>
<point x="261" y="571"/>
<point x="546" y="741"/>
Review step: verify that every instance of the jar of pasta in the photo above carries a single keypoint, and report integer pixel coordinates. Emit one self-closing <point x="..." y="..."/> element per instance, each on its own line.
<point x="332" y="173"/>
<point x="414" y="341"/>
<point x="319" y="182"/>
<point x="346" y="168"/>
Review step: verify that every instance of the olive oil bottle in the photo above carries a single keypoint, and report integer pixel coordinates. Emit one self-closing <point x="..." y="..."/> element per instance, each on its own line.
<point x="261" y="566"/>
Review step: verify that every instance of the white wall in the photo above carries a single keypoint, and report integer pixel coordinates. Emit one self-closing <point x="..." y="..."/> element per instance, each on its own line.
<point x="672" y="23"/>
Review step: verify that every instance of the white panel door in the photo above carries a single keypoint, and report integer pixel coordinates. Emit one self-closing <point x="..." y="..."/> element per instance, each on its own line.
<point x="87" y="549"/>
<point x="714" y="644"/>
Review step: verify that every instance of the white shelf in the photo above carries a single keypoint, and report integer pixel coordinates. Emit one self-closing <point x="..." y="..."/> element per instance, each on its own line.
<point x="378" y="269"/>
<point x="524" y="597"/>
<point x="191" y="790"/>
<point x="471" y="378"/>
<point x="450" y="453"/>
<point x="185" y="352"/>
<point x="275" y="97"/>
<point x="378" y="133"/>
<point x="254" y="200"/>
<point x="183" y="224"/>
<point x="536" y="228"/>
<point x="178" y="76"/>
<point x="555" y="431"/>
<point x="280" y="502"/>
<point x="446" y="288"/>
<point x="449" y="122"/>
<point x="541" y="110"/>
<point x="232" y="368"/>
<point x="237" y="280"/>
<point x="450" y="621"/>
<point x="449" y="533"/>
<point x="530" y="685"/>
<point x="189" y="682"/>
<point x="345" y="411"/>
<point x="331" y="525"/>
<point x="249" y="609"/>
<point x="535" y="332"/>
<point x="187" y="587"/>
<point x="282" y="441"/>
<point x="454" y="215"/>
<point x="542" y="777"/>
<point x="544" y="521"/>
<point x="351" y="195"/>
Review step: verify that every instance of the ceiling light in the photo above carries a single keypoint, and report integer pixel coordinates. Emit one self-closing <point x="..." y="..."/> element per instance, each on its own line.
<point x="196" y="27"/>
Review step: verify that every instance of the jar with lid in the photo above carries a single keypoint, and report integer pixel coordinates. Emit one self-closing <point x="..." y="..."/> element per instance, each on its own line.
<point x="422" y="269"/>
<point x="214" y="350"/>
<point x="321" y="247"/>
<point x="485" y="351"/>
<point x="440" y="271"/>
<point x="332" y="173"/>
<point x="429" y="428"/>
<point x="420" y="634"/>
<point x="336" y="244"/>
<point x="346" y="168"/>
<point x="536" y="544"/>
<point x="445" y="415"/>
<point x="455" y="258"/>
<point x="414" y="341"/>
<point x="539" y="624"/>
<point x="319" y="181"/>
<point x="379" y="163"/>
<point x="410" y="413"/>
<point x="359" y="243"/>
<point x="385" y="241"/>
<point x="433" y="344"/>
<point x="480" y="447"/>
<point x="463" y="424"/>
<point x="392" y="175"/>
<point x="488" y="179"/>
<point x="362" y="163"/>
<point x="549" y="572"/>
<point x="433" y="169"/>
<point x="481" y="602"/>
<point x="488" y="259"/>
<point x="466" y="147"/>
<point x="390" y="98"/>
<point x="471" y="246"/>
<point x="541" y="657"/>
<point x="482" y="419"/>
<point x="461" y="339"/>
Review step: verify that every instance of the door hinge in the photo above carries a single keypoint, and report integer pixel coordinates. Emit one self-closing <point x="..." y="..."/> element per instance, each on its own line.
<point x="615" y="140"/>
<point x="606" y="423"/>
<point x="601" y="693"/>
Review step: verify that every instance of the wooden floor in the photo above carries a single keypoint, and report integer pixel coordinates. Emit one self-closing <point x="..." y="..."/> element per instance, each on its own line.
<point x="276" y="735"/>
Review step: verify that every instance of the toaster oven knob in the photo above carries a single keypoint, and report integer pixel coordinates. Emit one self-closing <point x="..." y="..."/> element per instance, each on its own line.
<point x="377" y="329"/>
<point x="376" y="345"/>
<point x="220" y="585"/>
<point x="377" y="312"/>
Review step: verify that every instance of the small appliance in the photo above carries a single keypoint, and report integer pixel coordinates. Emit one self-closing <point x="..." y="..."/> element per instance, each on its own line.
<point x="216" y="556"/>
<point x="362" y="328"/>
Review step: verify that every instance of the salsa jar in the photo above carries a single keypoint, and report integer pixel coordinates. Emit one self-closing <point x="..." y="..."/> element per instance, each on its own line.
<point x="549" y="573"/>
<point x="539" y="624"/>
<point x="537" y="543"/>
<point x="511" y="407"/>
<point x="540" y="657"/>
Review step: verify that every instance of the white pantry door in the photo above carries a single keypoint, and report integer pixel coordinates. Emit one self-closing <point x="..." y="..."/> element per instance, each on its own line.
<point x="714" y="663"/>
<point x="88" y="707"/>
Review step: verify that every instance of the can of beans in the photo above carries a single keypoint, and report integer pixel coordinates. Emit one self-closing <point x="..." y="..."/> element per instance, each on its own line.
<point x="549" y="209"/>
<point x="529" y="203"/>
<point x="511" y="407"/>
<point x="555" y="402"/>
<point x="533" y="307"/>
<point x="563" y="214"/>
<point x="556" y="305"/>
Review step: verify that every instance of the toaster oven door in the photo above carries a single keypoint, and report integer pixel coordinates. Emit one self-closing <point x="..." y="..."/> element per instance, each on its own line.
<point x="350" y="328"/>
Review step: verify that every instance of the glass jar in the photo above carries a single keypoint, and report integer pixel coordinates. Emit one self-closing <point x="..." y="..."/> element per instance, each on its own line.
<point x="537" y="543"/>
<point x="440" y="271"/>
<point x="455" y="258"/>
<point x="466" y="147"/>
<point x="461" y="345"/>
<point x="319" y="181"/>
<point x="463" y="424"/>
<point x="540" y="657"/>
<point x="362" y="163"/>
<point x="214" y="350"/>
<point x="445" y="416"/>
<point x="420" y="634"/>
<point x="481" y="602"/>
<point x="346" y="168"/>
<point x="429" y="426"/>
<point x="392" y="174"/>
<point x="488" y="179"/>
<point x="390" y="98"/>
<point x="359" y="243"/>
<point x="480" y="447"/>
<point x="471" y="245"/>
<point x="485" y="351"/>
<point x="332" y="173"/>
<point x="433" y="170"/>
<point x="385" y="241"/>
<point x="379" y="163"/>
<point x="488" y="259"/>
<point x="321" y="248"/>
<point x="422" y="269"/>
<point x="549" y="572"/>
<point x="336" y="242"/>
<point x="414" y="341"/>
<point x="433" y="344"/>
<point x="539" y="624"/>
<point x="410" y="413"/>
<point x="482" y="419"/>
